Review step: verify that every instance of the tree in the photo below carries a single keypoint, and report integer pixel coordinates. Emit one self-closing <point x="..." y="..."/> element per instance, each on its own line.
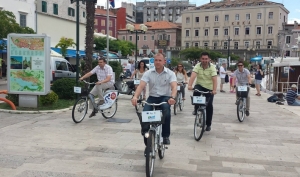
<point x="125" y="47"/>
<point x="194" y="53"/>
<point x="64" y="43"/>
<point x="89" y="38"/>
<point x="9" y="25"/>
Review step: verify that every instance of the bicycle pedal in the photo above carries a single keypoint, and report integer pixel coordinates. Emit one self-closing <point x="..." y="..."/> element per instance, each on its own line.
<point x="166" y="147"/>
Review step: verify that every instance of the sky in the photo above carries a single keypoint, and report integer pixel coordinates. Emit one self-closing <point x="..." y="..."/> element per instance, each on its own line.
<point x="290" y="5"/>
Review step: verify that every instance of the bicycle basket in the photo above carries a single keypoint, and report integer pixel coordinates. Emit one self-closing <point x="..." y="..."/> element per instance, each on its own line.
<point x="198" y="101"/>
<point x="84" y="92"/>
<point x="242" y="94"/>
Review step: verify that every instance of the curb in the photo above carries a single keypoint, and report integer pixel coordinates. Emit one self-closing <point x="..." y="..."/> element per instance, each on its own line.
<point x="35" y="112"/>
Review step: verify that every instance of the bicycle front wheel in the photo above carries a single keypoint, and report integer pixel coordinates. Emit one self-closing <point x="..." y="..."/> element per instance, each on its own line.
<point x="161" y="151"/>
<point x="79" y="110"/>
<point x="180" y="102"/>
<point x="199" y="125"/>
<point x="110" y="112"/>
<point x="240" y="110"/>
<point x="139" y="104"/>
<point x="150" y="154"/>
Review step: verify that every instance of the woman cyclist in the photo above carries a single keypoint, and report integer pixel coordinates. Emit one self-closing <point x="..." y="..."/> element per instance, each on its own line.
<point x="181" y="77"/>
<point x="141" y="69"/>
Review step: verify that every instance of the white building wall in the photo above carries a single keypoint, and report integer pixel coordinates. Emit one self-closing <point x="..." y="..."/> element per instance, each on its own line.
<point x="18" y="7"/>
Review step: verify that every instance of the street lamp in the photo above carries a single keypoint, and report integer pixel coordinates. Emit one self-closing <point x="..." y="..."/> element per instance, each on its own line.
<point x="143" y="28"/>
<point x="228" y="47"/>
<point x="251" y="49"/>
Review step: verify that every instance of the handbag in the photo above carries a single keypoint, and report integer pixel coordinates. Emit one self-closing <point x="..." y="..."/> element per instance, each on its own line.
<point x="226" y="78"/>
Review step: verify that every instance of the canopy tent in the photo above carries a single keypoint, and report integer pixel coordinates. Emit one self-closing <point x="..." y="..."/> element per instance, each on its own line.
<point x="3" y="44"/>
<point x="104" y="35"/>
<point x="55" y="54"/>
<point x="71" y="53"/>
<point x="110" y="55"/>
<point x="258" y="58"/>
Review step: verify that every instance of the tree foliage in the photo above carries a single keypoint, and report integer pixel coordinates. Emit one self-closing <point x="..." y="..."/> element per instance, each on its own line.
<point x="64" y="43"/>
<point x="9" y="25"/>
<point x="126" y="47"/>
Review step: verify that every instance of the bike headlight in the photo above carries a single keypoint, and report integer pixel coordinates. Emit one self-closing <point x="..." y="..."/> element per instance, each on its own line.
<point x="146" y="135"/>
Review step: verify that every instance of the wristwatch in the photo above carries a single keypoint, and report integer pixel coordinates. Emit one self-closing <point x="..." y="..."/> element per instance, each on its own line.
<point x="172" y="98"/>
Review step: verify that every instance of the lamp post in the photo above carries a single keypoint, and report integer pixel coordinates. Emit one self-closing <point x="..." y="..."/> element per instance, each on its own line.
<point x="228" y="47"/>
<point x="143" y="29"/>
<point x="250" y="51"/>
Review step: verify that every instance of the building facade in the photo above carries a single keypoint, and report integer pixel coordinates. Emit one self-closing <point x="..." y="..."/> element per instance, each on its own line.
<point x="130" y="11"/>
<point x="101" y="20"/>
<point x="164" y="10"/>
<point x="245" y="27"/>
<point x="287" y="39"/>
<point x="57" y="18"/>
<point x="24" y="11"/>
<point x="160" y="37"/>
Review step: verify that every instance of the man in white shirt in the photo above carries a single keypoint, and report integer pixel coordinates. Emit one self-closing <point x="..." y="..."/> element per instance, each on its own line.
<point x="222" y="73"/>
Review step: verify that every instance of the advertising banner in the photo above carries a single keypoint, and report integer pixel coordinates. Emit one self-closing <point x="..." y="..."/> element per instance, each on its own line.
<point x="28" y="57"/>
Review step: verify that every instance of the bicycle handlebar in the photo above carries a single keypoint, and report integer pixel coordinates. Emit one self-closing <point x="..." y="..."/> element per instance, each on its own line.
<point x="196" y="90"/>
<point x="90" y="83"/>
<point x="154" y="104"/>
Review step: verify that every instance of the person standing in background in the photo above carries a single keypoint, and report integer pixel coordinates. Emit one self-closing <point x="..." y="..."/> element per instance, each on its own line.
<point x="258" y="78"/>
<point x="222" y="76"/>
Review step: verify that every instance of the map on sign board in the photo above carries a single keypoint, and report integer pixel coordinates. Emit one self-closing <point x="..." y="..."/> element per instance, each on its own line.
<point x="26" y="64"/>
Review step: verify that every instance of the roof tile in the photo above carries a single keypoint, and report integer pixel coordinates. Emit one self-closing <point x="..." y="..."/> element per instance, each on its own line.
<point x="157" y="25"/>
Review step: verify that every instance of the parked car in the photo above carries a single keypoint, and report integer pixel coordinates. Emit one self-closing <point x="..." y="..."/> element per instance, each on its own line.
<point x="61" y="68"/>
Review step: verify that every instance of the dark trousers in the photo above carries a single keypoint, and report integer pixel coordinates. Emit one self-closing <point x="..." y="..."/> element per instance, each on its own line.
<point x="209" y="107"/>
<point x="166" y="127"/>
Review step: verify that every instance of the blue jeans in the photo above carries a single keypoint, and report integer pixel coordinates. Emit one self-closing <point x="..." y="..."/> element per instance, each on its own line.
<point x="296" y="103"/>
<point x="166" y="127"/>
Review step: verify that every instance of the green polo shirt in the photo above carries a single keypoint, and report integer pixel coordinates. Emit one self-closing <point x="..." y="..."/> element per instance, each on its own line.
<point x="204" y="76"/>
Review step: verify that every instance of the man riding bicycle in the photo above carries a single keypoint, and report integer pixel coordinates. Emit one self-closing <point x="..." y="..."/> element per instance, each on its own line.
<point x="243" y="78"/>
<point x="162" y="88"/>
<point x="206" y="81"/>
<point x="105" y="78"/>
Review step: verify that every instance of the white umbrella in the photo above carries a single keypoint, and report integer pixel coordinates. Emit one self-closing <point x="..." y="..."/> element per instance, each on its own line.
<point x="104" y="35"/>
<point x="55" y="54"/>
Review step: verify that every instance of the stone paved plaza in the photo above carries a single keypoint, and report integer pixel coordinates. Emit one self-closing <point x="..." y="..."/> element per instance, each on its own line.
<point x="267" y="143"/>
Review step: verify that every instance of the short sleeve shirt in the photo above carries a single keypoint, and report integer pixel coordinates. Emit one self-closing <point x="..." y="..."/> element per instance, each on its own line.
<point x="204" y="76"/>
<point x="102" y="73"/>
<point x="159" y="83"/>
<point x="291" y="95"/>
<point x="222" y="70"/>
<point x="242" y="77"/>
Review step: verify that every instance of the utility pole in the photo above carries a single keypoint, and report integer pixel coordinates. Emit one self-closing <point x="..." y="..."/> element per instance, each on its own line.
<point x="77" y="41"/>
<point x="228" y="56"/>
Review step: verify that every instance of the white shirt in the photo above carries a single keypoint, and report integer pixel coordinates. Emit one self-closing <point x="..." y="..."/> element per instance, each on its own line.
<point x="222" y="70"/>
<point x="128" y="66"/>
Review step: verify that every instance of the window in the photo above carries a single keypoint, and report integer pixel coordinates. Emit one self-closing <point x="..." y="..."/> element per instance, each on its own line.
<point x="187" y="20"/>
<point x="197" y="19"/>
<point x="103" y="31"/>
<point x="270" y="15"/>
<point x="44" y="6"/>
<point x="288" y="39"/>
<point x="110" y="23"/>
<point x="236" y="31"/>
<point x="216" y="18"/>
<point x="226" y="32"/>
<point x="196" y="32"/>
<point x="237" y="17"/>
<point x="138" y="38"/>
<point x="258" y="30"/>
<point x="226" y="17"/>
<point x="22" y="20"/>
<point x="102" y="22"/>
<point x="130" y="38"/>
<point x="247" y="30"/>
<point x="205" y="44"/>
<point x="60" y="65"/>
<point x="196" y="44"/>
<point x="206" y="32"/>
<point x="169" y="37"/>
<point x="225" y="45"/>
<point x="96" y="22"/>
<point x="236" y="45"/>
<point x="123" y="37"/>
<point x="110" y="32"/>
<point x="247" y="43"/>
<point x="152" y="38"/>
<point x="270" y="30"/>
<point x="216" y="32"/>
<point x="288" y="53"/>
<point x="71" y="12"/>
<point x="206" y="19"/>
<point x="187" y="33"/>
<point x="145" y="38"/>
<point x="284" y="18"/>
<point x="258" y="16"/>
<point x="247" y="16"/>
<point x="55" y="9"/>
<point x="269" y="44"/>
<point x="83" y="14"/>
<point x="215" y="44"/>
<point x="187" y="45"/>
<point x="257" y="44"/>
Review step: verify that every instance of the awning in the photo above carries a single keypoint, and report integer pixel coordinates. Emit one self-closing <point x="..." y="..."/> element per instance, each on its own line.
<point x="110" y="55"/>
<point x="71" y="53"/>
<point x="104" y="35"/>
<point x="258" y="58"/>
<point x="3" y="44"/>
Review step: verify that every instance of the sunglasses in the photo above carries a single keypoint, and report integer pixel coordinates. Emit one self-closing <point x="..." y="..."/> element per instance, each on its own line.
<point x="240" y="65"/>
<point x="179" y="66"/>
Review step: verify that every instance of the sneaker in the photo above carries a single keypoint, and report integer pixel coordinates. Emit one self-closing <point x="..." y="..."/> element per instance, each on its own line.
<point x="208" y="128"/>
<point x="247" y="113"/>
<point x="166" y="140"/>
<point x="222" y="91"/>
<point x="145" y="151"/>
<point x="194" y="112"/>
<point x="93" y="113"/>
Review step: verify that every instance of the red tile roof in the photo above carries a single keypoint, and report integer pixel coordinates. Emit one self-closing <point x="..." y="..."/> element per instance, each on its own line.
<point x="158" y="25"/>
<point x="103" y="12"/>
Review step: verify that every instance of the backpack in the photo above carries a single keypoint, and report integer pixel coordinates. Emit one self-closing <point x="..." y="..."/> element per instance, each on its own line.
<point x="273" y="99"/>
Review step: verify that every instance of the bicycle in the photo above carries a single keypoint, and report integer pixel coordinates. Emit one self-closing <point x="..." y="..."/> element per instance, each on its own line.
<point x="140" y="98"/>
<point x="242" y="92"/>
<point x="108" y="109"/>
<point x="200" y="119"/>
<point x="154" y="137"/>
<point x="179" y="101"/>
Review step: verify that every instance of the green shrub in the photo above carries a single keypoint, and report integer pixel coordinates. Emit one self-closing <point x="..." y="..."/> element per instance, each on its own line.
<point x="64" y="88"/>
<point x="49" y="99"/>
<point x="13" y="98"/>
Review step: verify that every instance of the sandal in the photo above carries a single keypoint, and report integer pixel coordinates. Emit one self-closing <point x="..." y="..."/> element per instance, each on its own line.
<point x="183" y="98"/>
<point x="258" y="94"/>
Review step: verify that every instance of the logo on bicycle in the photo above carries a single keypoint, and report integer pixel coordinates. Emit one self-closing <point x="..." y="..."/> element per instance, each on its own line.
<point x="151" y="117"/>
<point x="113" y="96"/>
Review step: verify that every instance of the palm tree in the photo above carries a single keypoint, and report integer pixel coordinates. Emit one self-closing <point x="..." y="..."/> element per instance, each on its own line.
<point x="89" y="38"/>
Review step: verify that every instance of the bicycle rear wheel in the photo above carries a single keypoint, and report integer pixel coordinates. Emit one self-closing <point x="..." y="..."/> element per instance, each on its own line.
<point x="199" y="125"/>
<point x="110" y="112"/>
<point x="80" y="107"/>
<point x="240" y="110"/>
<point x="150" y="154"/>
<point x="180" y="102"/>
